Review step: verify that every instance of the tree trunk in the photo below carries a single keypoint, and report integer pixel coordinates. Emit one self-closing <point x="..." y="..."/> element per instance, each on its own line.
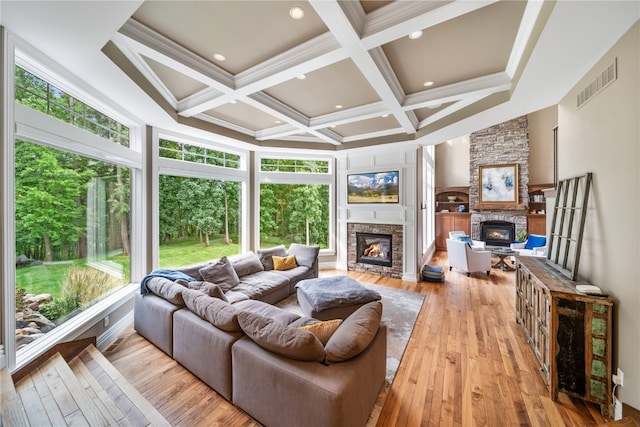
<point x="206" y="239"/>
<point x="124" y="229"/>
<point x="227" y="240"/>
<point x="306" y="220"/>
<point x="47" y="248"/>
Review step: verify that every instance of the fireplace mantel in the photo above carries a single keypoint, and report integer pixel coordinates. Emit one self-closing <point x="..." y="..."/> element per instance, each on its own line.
<point x="499" y="207"/>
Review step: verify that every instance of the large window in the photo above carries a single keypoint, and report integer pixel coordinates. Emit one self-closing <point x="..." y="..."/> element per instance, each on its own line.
<point x="199" y="219"/>
<point x="72" y="235"/>
<point x="295" y="201"/>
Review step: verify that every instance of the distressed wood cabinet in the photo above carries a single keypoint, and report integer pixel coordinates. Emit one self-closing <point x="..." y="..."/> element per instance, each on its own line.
<point x="569" y="332"/>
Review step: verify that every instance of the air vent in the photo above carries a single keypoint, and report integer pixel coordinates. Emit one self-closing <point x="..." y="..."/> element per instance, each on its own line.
<point x="604" y="79"/>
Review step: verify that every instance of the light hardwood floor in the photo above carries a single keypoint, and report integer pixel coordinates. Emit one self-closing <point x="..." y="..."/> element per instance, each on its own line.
<point x="466" y="364"/>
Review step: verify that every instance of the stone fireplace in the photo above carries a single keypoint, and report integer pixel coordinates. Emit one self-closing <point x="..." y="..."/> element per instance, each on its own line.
<point x="386" y="242"/>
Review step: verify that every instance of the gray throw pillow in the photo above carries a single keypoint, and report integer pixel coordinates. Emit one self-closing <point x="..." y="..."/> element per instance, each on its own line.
<point x="285" y="341"/>
<point x="305" y="255"/>
<point x="219" y="313"/>
<point x="354" y="334"/>
<point x="166" y="289"/>
<point x="266" y="255"/>
<point x="246" y="264"/>
<point x="207" y="288"/>
<point x="221" y="273"/>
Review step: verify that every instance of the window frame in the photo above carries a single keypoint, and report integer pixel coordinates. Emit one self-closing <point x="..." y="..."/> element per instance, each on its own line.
<point x="21" y="122"/>
<point x="165" y="166"/>
<point x="297" y="178"/>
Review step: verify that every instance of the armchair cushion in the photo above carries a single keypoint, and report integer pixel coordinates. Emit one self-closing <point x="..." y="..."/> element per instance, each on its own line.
<point x="535" y="241"/>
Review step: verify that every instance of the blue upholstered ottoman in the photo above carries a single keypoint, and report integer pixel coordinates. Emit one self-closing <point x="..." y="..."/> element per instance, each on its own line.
<point x="332" y="297"/>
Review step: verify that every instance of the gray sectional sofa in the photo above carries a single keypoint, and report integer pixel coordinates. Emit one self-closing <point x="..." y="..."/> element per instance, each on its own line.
<point x="280" y="368"/>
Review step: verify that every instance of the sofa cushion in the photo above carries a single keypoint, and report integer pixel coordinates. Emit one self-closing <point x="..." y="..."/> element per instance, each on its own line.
<point x="259" y="284"/>
<point x="354" y="334"/>
<point x="267" y="310"/>
<point x="266" y="255"/>
<point x="194" y="270"/>
<point x="207" y="288"/>
<point x="246" y="264"/>
<point x="285" y="341"/>
<point x="219" y="313"/>
<point x="166" y="289"/>
<point x="284" y="263"/>
<point x="305" y="255"/>
<point x="323" y="330"/>
<point x="221" y="273"/>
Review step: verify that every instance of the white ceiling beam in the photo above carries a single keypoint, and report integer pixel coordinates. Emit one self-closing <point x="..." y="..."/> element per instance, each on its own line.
<point x="339" y="25"/>
<point x="350" y="115"/>
<point x="370" y="135"/>
<point x="480" y="86"/>
<point x="449" y="110"/>
<point x="149" y="43"/>
<point x="400" y="18"/>
<point x="525" y="31"/>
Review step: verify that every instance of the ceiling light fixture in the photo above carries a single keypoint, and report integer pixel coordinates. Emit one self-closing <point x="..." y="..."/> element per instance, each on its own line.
<point x="278" y="122"/>
<point x="415" y="35"/>
<point x="427" y="84"/>
<point x="338" y="106"/>
<point x="301" y="77"/>
<point x="219" y="57"/>
<point x="296" y="12"/>
<point x="385" y="115"/>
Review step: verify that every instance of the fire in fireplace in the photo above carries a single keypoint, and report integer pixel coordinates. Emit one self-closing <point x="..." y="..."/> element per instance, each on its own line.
<point x="374" y="249"/>
<point x="497" y="233"/>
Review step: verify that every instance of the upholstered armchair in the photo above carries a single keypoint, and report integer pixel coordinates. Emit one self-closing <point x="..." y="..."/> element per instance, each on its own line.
<point x="535" y="245"/>
<point x="461" y="256"/>
<point x="476" y="245"/>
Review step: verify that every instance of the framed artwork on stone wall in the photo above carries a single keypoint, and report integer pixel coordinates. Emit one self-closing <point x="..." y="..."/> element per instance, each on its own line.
<point x="498" y="183"/>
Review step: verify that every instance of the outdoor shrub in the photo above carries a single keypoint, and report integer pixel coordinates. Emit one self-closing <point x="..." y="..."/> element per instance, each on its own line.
<point x="20" y="293"/>
<point x="80" y="287"/>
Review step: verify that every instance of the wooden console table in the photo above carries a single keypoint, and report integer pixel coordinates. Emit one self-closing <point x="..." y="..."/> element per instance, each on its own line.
<point x="568" y="331"/>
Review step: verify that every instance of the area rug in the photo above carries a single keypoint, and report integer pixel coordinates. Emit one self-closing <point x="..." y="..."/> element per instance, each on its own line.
<point x="400" y="310"/>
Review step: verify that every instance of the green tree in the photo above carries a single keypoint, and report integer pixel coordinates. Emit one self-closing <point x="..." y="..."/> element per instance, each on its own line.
<point x="268" y="212"/>
<point x="305" y="212"/>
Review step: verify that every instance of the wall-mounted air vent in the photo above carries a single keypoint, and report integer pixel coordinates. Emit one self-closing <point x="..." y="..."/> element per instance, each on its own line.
<point x="604" y="79"/>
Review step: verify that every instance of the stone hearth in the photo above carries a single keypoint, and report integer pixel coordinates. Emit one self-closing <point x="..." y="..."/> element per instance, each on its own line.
<point x="396" y="231"/>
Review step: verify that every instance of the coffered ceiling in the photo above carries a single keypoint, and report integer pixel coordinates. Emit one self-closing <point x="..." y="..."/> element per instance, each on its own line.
<point x="346" y="73"/>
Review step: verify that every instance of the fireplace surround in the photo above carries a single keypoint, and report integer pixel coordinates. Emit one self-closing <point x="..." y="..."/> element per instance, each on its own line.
<point x="394" y="268"/>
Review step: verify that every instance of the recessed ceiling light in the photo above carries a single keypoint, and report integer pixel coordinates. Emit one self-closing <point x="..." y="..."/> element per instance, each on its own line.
<point x="219" y="57"/>
<point x="427" y="84"/>
<point x="338" y="107"/>
<point x="333" y="126"/>
<point x="301" y="77"/>
<point x="385" y="115"/>
<point x="278" y="122"/>
<point x="415" y="35"/>
<point x="296" y="12"/>
<point x="233" y="102"/>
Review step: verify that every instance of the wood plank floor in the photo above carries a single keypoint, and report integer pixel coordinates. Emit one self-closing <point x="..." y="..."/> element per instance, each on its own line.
<point x="466" y="364"/>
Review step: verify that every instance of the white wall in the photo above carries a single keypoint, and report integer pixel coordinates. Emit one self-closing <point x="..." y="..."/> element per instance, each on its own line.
<point x="391" y="157"/>
<point x="603" y="137"/>
<point x="452" y="163"/>
<point x="541" y="124"/>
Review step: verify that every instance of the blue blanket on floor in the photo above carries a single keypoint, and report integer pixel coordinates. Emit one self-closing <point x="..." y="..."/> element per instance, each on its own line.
<point x="167" y="274"/>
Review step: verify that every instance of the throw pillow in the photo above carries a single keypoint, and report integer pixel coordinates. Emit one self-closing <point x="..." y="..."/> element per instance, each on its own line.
<point x="219" y="313"/>
<point x="354" y="334"/>
<point x="305" y="255"/>
<point x="284" y="263"/>
<point x="323" y="330"/>
<point x="246" y="264"/>
<point x="166" y="289"/>
<point x="465" y="239"/>
<point x="285" y="341"/>
<point x="265" y="255"/>
<point x="535" y="241"/>
<point x="221" y="273"/>
<point x="207" y="288"/>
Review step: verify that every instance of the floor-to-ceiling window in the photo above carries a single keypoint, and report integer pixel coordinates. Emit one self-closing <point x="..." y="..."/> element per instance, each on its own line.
<point x="71" y="174"/>
<point x="200" y="194"/>
<point x="295" y="201"/>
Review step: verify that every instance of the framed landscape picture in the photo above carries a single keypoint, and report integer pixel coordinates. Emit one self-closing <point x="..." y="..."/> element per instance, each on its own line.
<point x="375" y="187"/>
<point x="498" y="183"/>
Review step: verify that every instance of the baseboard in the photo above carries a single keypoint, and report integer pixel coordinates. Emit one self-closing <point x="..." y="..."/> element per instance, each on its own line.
<point x="113" y="332"/>
<point x="631" y="412"/>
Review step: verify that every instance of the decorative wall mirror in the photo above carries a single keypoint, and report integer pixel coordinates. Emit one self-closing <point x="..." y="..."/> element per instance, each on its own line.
<point x="567" y="226"/>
